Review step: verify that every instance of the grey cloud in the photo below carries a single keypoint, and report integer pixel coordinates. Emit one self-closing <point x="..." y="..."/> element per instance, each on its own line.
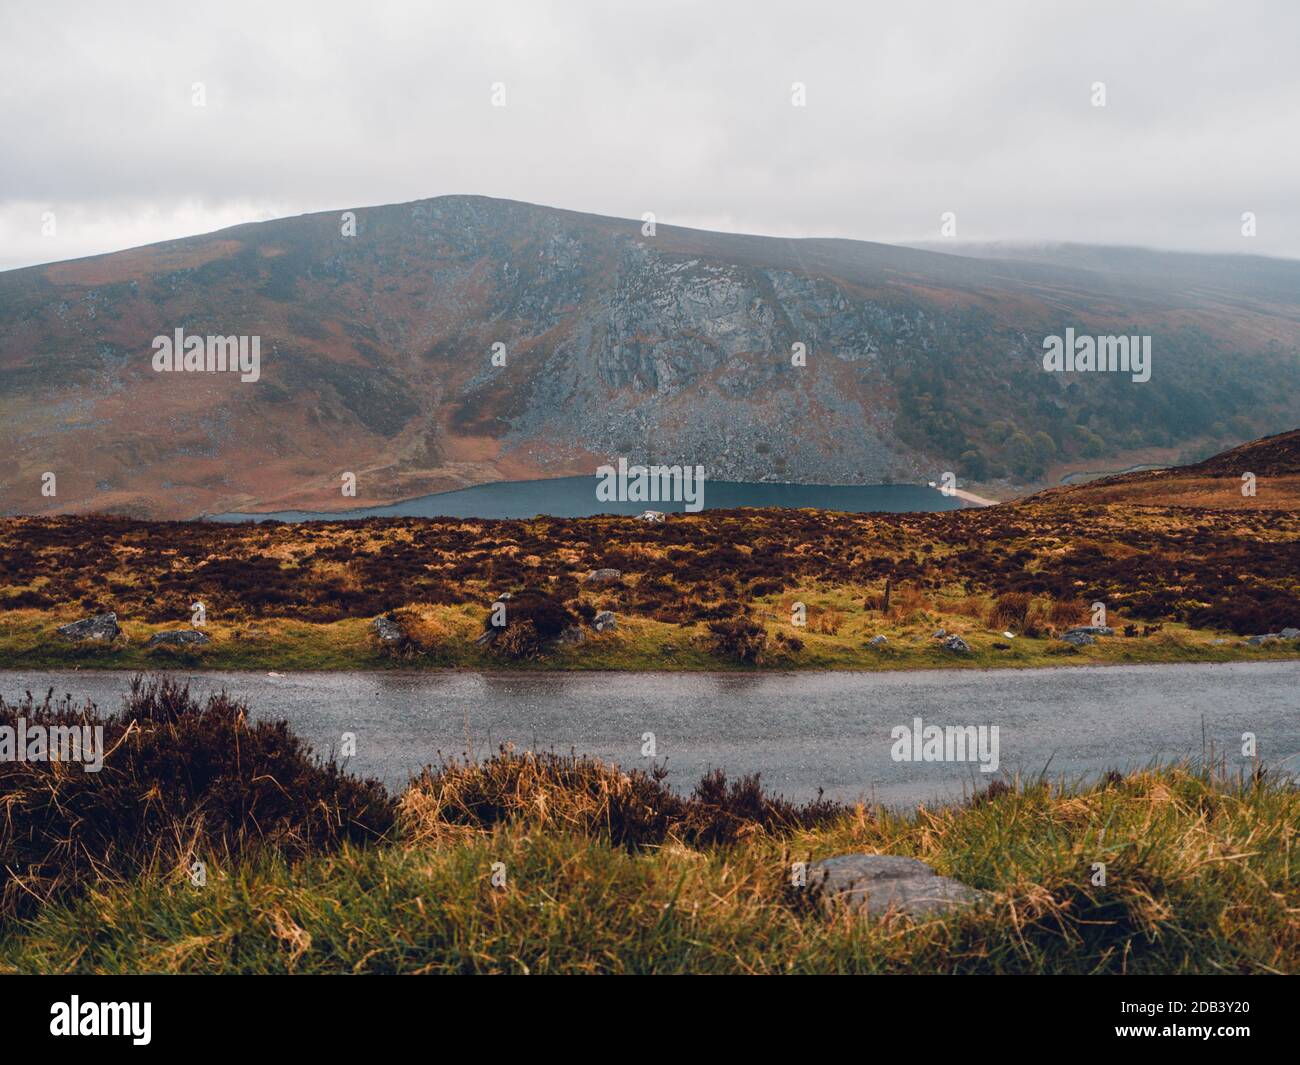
<point x="679" y="108"/>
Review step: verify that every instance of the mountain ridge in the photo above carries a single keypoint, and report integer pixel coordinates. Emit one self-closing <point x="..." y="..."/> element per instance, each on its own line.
<point x="674" y="347"/>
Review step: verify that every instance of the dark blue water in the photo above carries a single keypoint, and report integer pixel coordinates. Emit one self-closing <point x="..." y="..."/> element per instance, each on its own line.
<point x="575" y="497"/>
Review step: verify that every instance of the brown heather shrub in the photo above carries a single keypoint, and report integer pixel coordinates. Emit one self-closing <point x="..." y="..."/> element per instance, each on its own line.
<point x="740" y="638"/>
<point x="1018" y="612"/>
<point x="1036" y="624"/>
<point x="789" y="641"/>
<point x="424" y="634"/>
<point x="575" y="794"/>
<point x="421" y="635"/>
<point x="1010" y="611"/>
<point x="1248" y="610"/>
<point x="971" y="606"/>
<point x="181" y="779"/>
<point x="907" y="602"/>
<point x="548" y="615"/>
<point x="518" y="640"/>
<point x="828" y="622"/>
<point x="1065" y="613"/>
<point x="534" y="619"/>
<point x="995" y="790"/>
<point x="26" y="599"/>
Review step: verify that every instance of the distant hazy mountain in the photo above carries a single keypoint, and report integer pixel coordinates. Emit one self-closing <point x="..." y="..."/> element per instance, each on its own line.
<point x="376" y="358"/>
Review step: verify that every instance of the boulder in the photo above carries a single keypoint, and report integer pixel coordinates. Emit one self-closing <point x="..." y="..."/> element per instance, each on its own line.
<point x="877" y="641"/>
<point x="651" y="515"/>
<point x="1290" y="634"/>
<point x="940" y="634"/>
<point x="1268" y="637"/>
<point x="956" y="645"/>
<point x="1091" y="630"/>
<point x="178" y="638"/>
<point x="605" y="621"/>
<point x="387" y="630"/>
<point x="603" y="576"/>
<point x="1078" y="638"/>
<point x="570" y="636"/>
<point x="101" y="627"/>
<point x="879" y="884"/>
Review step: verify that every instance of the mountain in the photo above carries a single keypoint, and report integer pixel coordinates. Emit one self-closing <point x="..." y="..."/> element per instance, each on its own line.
<point x="376" y="359"/>
<point x="1273" y="464"/>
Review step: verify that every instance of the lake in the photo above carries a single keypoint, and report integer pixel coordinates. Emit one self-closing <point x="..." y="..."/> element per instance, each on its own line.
<point x="801" y="731"/>
<point x="575" y="497"/>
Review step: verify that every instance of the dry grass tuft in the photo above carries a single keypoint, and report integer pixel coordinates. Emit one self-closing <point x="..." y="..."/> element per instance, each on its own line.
<point x="568" y="793"/>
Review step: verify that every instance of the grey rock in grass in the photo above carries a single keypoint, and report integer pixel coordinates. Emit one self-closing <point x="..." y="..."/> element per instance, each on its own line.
<point x="178" y="638"/>
<point x="878" y="884"/>
<point x="101" y="627"/>
<point x="605" y="621"/>
<point x="1268" y="637"/>
<point x="956" y="645"/>
<point x="570" y="636"/>
<point x="1091" y="630"/>
<point x="603" y="576"/>
<point x="1290" y="634"/>
<point x="387" y="630"/>
<point x="1079" y="639"/>
<point x="940" y="634"/>
<point x="877" y="641"/>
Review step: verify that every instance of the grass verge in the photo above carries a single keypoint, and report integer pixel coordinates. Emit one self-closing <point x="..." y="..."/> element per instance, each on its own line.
<point x="563" y="865"/>
<point x="836" y="637"/>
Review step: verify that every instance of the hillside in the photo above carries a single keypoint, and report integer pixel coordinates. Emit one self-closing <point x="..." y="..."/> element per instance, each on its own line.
<point x="745" y="588"/>
<point x="1214" y="482"/>
<point x="376" y="359"/>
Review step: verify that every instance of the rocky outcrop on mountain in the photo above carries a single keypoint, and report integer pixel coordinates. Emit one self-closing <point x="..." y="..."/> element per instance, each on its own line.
<point x="461" y="340"/>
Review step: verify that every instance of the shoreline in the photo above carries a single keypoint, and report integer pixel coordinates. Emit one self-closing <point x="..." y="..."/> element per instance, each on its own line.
<point x="404" y="670"/>
<point x="365" y="511"/>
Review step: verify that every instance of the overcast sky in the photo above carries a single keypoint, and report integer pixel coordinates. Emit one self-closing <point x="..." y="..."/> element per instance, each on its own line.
<point x="913" y="109"/>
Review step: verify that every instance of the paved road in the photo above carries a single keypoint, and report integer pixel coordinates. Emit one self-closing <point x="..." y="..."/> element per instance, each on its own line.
<point x="800" y="730"/>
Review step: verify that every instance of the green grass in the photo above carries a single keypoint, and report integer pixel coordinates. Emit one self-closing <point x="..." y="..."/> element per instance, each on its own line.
<point x="1201" y="877"/>
<point x="28" y="641"/>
